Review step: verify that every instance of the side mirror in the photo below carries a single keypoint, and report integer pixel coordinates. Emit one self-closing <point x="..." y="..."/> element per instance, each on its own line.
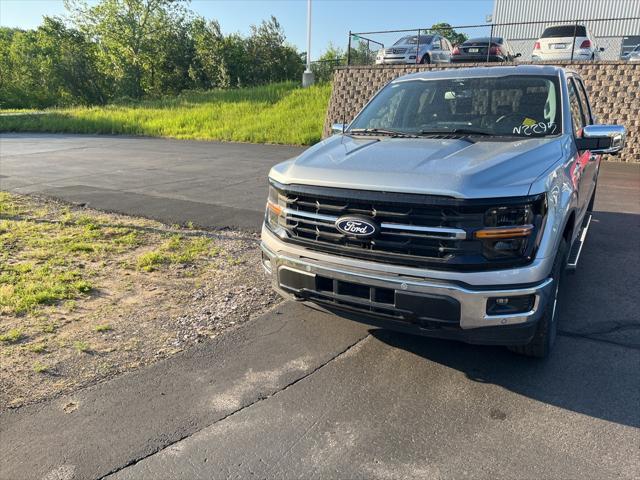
<point x="602" y="138"/>
<point x="601" y="49"/>
<point x="337" y="128"/>
<point x="518" y="55"/>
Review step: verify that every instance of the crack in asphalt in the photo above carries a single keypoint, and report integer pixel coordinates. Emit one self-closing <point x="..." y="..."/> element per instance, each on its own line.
<point x="238" y="410"/>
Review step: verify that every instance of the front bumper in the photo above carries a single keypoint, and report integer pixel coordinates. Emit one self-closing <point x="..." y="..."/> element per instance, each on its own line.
<point x="471" y="324"/>
<point x="396" y="59"/>
<point x="578" y="55"/>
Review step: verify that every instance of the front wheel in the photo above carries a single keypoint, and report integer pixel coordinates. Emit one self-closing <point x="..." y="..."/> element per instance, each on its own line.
<point x="545" y="337"/>
<point x="425" y="59"/>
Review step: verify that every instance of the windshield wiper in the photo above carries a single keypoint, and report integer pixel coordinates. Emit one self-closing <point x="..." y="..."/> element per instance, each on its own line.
<point x="458" y="131"/>
<point x="379" y="131"/>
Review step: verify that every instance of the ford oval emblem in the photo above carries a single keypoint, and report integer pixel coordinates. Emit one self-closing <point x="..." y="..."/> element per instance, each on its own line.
<point x="361" y="227"/>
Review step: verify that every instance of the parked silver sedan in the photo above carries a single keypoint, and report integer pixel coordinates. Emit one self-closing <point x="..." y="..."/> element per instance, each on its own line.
<point x="414" y="49"/>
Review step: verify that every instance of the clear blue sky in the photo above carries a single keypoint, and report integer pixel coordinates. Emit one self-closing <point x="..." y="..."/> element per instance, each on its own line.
<point x="332" y="19"/>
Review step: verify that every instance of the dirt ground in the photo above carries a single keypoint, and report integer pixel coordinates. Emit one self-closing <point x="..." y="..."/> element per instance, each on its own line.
<point x="85" y="295"/>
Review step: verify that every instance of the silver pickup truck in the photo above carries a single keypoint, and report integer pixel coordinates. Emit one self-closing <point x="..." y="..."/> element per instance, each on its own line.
<point x="450" y="207"/>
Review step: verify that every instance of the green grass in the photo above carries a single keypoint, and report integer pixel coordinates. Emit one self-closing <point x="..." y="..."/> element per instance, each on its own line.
<point x="37" y="348"/>
<point x="12" y="336"/>
<point x="176" y="250"/>
<point x="103" y="328"/>
<point x="278" y="113"/>
<point x="81" y="347"/>
<point x="44" y="262"/>
<point x="39" y="367"/>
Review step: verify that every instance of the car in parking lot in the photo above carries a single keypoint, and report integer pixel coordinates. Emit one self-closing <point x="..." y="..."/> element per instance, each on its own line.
<point x="484" y="49"/>
<point x="416" y="49"/>
<point x="449" y="207"/>
<point x="633" y="55"/>
<point x="566" y="42"/>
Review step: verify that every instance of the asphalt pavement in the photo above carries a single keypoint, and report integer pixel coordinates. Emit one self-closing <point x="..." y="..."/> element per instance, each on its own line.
<point x="298" y="393"/>
<point x="211" y="184"/>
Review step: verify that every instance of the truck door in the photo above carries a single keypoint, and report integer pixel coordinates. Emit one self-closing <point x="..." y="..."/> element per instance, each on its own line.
<point x="593" y="164"/>
<point x="581" y="182"/>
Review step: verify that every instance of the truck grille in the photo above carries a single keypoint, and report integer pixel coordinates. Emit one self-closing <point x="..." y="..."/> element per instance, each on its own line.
<point x="414" y="229"/>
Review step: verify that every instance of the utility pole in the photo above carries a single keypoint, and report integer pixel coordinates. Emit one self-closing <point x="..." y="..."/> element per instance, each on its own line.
<point x="307" y="76"/>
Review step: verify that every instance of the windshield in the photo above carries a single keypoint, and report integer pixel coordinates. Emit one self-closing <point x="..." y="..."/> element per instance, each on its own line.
<point x="514" y="105"/>
<point x="413" y="40"/>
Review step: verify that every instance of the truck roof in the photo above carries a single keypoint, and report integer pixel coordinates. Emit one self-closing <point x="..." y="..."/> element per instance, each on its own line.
<point x="483" y="72"/>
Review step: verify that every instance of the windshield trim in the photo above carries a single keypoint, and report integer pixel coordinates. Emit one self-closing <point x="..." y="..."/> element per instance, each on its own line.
<point x="555" y="77"/>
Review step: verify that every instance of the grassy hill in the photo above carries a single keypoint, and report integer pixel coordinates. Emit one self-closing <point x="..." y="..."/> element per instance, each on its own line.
<point x="278" y="113"/>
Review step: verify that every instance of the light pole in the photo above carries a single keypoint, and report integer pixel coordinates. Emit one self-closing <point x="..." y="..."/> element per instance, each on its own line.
<point x="307" y="76"/>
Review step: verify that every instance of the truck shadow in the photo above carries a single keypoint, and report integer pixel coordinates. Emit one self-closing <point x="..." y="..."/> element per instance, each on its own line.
<point x="594" y="367"/>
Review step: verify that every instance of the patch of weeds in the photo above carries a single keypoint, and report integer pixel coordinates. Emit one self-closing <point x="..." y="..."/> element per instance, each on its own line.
<point x="40" y="367"/>
<point x="12" y="336"/>
<point x="81" y="347"/>
<point x="234" y="261"/>
<point x="103" y="328"/>
<point x="82" y="286"/>
<point x="177" y="249"/>
<point x="70" y="305"/>
<point x="190" y="225"/>
<point x="37" y="347"/>
<point x="150" y="261"/>
<point x="27" y="285"/>
<point x="88" y="222"/>
<point x="49" y="328"/>
<point x="80" y="247"/>
<point x="128" y="238"/>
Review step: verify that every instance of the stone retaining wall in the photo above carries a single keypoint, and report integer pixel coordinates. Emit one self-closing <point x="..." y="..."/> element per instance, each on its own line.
<point x="614" y="89"/>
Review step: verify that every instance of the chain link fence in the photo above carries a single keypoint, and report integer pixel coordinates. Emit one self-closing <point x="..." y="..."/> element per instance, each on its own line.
<point x="323" y="69"/>
<point x="552" y="40"/>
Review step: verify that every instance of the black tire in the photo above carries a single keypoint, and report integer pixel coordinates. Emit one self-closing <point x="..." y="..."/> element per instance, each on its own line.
<point x="545" y="337"/>
<point x="425" y="59"/>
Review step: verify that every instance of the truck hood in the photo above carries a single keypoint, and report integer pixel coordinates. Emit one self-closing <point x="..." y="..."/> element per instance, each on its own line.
<point x="459" y="168"/>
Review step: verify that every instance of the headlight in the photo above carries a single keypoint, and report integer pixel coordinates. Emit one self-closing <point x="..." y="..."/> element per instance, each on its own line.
<point x="512" y="231"/>
<point x="274" y="215"/>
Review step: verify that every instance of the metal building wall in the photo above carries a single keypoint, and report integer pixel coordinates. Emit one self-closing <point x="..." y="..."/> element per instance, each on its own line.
<point x="609" y="34"/>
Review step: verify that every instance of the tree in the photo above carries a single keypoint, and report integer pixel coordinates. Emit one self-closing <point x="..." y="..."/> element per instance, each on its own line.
<point x="272" y="60"/>
<point x="364" y="52"/>
<point x="324" y="67"/>
<point x="449" y="33"/>
<point x="118" y="49"/>
<point x="130" y="34"/>
<point x="208" y="69"/>
<point x="52" y="65"/>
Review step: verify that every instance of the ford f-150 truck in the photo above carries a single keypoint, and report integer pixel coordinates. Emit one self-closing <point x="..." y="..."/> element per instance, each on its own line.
<point x="451" y="206"/>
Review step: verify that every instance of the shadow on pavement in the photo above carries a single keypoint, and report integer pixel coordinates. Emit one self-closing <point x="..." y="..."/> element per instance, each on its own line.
<point x="594" y="367"/>
<point x="580" y="375"/>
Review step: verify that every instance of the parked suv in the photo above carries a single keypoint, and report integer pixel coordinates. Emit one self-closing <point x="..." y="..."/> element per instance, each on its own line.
<point x="558" y="43"/>
<point x="416" y="49"/>
<point x="449" y="207"/>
